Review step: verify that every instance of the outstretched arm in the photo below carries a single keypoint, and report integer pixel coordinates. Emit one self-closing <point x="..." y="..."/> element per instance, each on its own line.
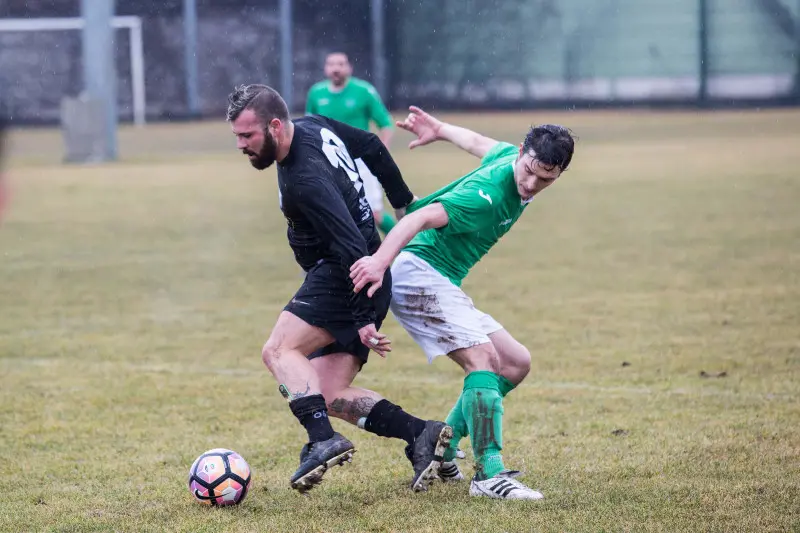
<point x="368" y="147"/>
<point x="370" y="269"/>
<point x="429" y="129"/>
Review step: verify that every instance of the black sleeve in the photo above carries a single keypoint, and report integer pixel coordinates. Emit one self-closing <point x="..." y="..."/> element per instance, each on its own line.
<point x="368" y="147"/>
<point x="323" y="205"/>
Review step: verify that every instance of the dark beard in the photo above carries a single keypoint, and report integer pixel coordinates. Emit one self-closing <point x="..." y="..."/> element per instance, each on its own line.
<point x="266" y="157"/>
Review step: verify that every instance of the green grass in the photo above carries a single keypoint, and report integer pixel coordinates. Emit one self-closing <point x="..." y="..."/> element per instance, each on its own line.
<point x="135" y="298"/>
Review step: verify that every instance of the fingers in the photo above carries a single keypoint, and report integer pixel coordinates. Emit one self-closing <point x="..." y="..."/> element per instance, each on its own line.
<point x="407" y="124"/>
<point x="361" y="275"/>
<point x="359" y="283"/>
<point x="375" y="286"/>
<point x="362" y="278"/>
<point x="378" y="342"/>
<point x="411" y="120"/>
<point x="358" y="265"/>
<point x="383" y="347"/>
<point x="413" y="144"/>
<point x="358" y="273"/>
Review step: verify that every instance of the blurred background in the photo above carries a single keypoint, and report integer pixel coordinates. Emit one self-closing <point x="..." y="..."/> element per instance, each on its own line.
<point x="454" y="54"/>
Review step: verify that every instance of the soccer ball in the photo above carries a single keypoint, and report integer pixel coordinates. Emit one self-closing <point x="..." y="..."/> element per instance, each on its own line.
<point x="219" y="477"/>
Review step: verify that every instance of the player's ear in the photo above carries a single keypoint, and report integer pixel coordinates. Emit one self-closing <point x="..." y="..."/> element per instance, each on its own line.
<point x="275" y="126"/>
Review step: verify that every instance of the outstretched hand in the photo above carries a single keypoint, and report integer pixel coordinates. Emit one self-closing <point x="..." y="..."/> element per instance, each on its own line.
<point x="372" y="339"/>
<point x="367" y="270"/>
<point x="421" y="124"/>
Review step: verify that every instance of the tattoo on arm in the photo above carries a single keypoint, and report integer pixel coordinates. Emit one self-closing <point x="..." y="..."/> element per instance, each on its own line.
<point x="353" y="409"/>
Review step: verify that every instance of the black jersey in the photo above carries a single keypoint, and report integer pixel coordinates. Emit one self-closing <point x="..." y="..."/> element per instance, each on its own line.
<point x="322" y="197"/>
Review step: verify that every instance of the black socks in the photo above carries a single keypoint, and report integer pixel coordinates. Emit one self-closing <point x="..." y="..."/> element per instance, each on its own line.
<point x="313" y="414"/>
<point x="389" y="420"/>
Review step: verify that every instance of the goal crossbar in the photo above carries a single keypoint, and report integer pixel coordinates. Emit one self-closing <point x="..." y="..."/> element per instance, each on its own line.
<point x="132" y="23"/>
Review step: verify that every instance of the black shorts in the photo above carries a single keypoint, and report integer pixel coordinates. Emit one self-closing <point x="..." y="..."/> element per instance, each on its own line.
<point x="325" y="300"/>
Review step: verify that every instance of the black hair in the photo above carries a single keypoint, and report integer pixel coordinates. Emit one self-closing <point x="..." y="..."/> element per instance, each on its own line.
<point x="552" y="144"/>
<point x="265" y="102"/>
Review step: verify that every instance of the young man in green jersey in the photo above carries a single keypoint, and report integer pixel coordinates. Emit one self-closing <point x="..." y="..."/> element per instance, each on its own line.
<point x="433" y="248"/>
<point x="355" y="102"/>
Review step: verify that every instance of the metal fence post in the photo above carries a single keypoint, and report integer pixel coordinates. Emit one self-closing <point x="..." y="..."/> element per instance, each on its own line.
<point x="286" y="52"/>
<point x="99" y="69"/>
<point x="378" y="46"/>
<point x="703" y="51"/>
<point x="190" y="56"/>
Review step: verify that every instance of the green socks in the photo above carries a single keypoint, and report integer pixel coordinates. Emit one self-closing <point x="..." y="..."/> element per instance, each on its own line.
<point x="505" y="386"/>
<point x="456" y="421"/>
<point x="479" y="413"/>
<point x="387" y="223"/>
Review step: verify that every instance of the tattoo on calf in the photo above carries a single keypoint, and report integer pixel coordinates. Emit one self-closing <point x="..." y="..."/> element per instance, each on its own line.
<point x="356" y="408"/>
<point x="298" y="395"/>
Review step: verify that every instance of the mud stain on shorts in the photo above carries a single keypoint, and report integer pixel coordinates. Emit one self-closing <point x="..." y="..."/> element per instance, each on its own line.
<point x="426" y="303"/>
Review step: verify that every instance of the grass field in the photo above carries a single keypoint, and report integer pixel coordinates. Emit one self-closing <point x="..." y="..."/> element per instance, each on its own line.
<point x="135" y="297"/>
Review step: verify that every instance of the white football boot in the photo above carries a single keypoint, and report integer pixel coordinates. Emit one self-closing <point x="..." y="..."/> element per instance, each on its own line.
<point x="503" y="486"/>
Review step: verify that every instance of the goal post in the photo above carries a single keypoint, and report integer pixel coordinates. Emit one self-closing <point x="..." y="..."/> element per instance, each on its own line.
<point x="131" y="23"/>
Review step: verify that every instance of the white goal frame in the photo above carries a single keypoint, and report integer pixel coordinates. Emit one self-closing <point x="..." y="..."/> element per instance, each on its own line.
<point x="131" y="23"/>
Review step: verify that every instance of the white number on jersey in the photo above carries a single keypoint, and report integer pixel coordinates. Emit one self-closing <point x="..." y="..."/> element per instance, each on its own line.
<point x="339" y="157"/>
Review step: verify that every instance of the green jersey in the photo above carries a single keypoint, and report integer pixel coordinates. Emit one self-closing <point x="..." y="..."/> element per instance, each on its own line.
<point x="356" y="104"/>
<point x="481" y="206"/>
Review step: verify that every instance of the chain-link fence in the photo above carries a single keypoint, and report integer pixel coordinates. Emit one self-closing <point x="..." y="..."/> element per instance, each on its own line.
<point x="238" y="41"/>
<point x="466" y="53"/>
<point x="449" y="53"/>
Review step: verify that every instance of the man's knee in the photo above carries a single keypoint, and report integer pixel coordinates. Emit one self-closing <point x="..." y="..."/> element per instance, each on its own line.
<point x="476" y="358"/>
<point x="515" y="361"/>
<point x="272" y="351"/>
<point x="292" y="334"/>
<point x="521" y="363"/>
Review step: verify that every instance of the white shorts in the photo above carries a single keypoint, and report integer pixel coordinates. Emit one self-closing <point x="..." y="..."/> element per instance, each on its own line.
<point x="437" y="314"/>
<point x="372" y="187"/>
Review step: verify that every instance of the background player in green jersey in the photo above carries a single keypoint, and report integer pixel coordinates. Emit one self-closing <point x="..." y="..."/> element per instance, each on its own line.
<point x="356" y="103"/>
<point x="433" y="248"/>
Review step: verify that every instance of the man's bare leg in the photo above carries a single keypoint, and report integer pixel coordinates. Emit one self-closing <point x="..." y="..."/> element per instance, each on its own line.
<point x="481" y="410"/>
<point x="515" y="359"/>
<point x="367" y="409"/>
<point x="344" y="401"/>
<point x="285" y="354"/>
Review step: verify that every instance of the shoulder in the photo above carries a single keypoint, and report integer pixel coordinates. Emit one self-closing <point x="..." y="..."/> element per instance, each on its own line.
<point x="500" y="150"/>
<point x="308" y="127"/>
<point x="305" y="122"/>
<point x="318" y="88"/>
<point x="300" y="184"/>
<point x="363" y="86"/>
<point x="306" y="146"/>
